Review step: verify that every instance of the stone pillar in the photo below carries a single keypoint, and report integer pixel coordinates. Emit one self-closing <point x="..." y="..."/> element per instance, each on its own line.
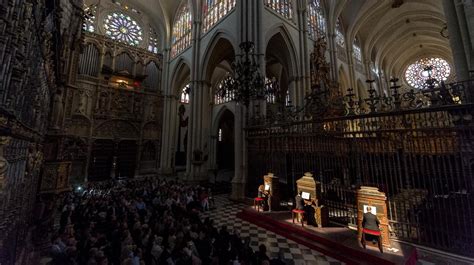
<point x="464" y="28"/>
<point x="456" y="41"/>
<point x="351" y="66"/>
<point x="169" y="120"/>
<point x="303" y="81"/>
<point x="333" y="55"/>
<point x="239" y="181"/>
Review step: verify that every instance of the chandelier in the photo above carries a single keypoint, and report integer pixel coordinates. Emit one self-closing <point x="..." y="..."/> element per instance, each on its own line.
<point x="248" y="82"/>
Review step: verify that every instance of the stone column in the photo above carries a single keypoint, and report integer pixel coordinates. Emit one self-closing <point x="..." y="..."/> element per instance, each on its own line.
<point x="239" y="181"/>
<point x="169" y="120"/>
<point x="302" y="83"/>
<point x="333" y="55"/>
<point x="351" y="65"/>
<point x="464" y="28"/>
<point x="456" y="41"/>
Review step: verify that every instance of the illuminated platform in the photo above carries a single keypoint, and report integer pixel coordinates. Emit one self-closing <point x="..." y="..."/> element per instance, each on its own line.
<point x="337" y="242"/>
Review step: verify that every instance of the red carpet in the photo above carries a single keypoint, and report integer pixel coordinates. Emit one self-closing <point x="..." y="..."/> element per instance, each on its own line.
<point x="312" y="240"/>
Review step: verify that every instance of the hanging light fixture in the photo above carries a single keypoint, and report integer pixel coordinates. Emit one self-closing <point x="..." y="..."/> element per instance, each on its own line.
<point x="248" y="82"/>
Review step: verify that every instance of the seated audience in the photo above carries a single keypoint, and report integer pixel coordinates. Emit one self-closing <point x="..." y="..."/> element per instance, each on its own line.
<point x="146" y="222"/>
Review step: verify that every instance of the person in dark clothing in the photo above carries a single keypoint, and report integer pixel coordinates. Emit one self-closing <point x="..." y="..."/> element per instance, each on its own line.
<point x="299" y="201"/>
<point x="370" y="221"/>
<point x="262" y="254"/>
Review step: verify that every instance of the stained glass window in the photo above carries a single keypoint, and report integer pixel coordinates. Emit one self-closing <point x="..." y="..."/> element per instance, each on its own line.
<point x="356" y="52"/>
<point x="316" y="20"/>
<point x="283" y="7"/>
<point x="224" y="92"/>
<point x="339" y="35"/>
<point x="121" y="27"/>
<point x="420" y="71"/>
<point x="89" y="20"/>
<point x="153" y="41"/>
<point x="185" y="94"/>
<point x="214" y="10"/>
<point x="340" y="41"/>
<point x="181" y="37"/>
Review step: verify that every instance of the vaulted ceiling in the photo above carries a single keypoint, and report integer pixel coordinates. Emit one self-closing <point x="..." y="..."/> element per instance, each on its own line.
<point x="393" y="33"/>
<point x="161" y="11"/>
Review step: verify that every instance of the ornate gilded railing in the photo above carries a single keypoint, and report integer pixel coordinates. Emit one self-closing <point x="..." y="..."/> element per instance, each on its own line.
<point x="323" y="104"/>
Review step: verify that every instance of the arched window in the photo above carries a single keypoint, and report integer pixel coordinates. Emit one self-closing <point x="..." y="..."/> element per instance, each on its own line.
<point x="214" y="10"/>
<point x="185" y="94"/>
<point x="340" y="41"/>
<point x="182" y="26"/>
<point x="356" y="52"/>
<point x="427" y="68"/>
<point x="283" y="7"/>
<point x="89" y="18"/>
<point x="224" y="92"/>
<point x="316" y="20"/>
<point x="153" y="41"/>
<point x="121" y="27"/>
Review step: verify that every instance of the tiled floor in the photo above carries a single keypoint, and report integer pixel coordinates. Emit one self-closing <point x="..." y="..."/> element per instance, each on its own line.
<point x="294" y="253"/>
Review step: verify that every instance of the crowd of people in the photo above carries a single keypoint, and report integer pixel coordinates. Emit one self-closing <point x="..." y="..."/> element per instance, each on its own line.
<point x="147" y="221"/>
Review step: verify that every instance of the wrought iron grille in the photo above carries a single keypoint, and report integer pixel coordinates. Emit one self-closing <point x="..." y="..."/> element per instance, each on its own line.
<point x="422" y="158"/>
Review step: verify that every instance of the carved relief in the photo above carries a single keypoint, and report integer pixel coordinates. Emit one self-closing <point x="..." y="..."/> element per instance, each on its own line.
<point x="102" y="105"/>
<point x="55" y="177"/>
<point x="121" y="103"/>
<point x="79" y="125"/>
<point x="56" y="114"/>
<point x="83" y="99"/>
<point x="34" y="160"/>
<point x="74" y="149"/>
<point x="116" y="129"/>
<point x="151" y="131"/>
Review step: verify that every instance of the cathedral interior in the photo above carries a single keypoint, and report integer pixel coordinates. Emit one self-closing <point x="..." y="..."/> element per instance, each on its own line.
<point x="139" y="131"/>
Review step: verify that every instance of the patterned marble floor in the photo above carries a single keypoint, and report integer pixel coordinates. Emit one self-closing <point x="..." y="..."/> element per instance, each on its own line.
<point x="294" y="253"/>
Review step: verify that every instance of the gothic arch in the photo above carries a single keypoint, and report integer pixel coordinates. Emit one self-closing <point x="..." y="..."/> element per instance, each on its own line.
<point x="181" y="75"/>
<point x="220" y="49"/>
<point x="279" y="35"/>
<point x="217" y="118"/>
